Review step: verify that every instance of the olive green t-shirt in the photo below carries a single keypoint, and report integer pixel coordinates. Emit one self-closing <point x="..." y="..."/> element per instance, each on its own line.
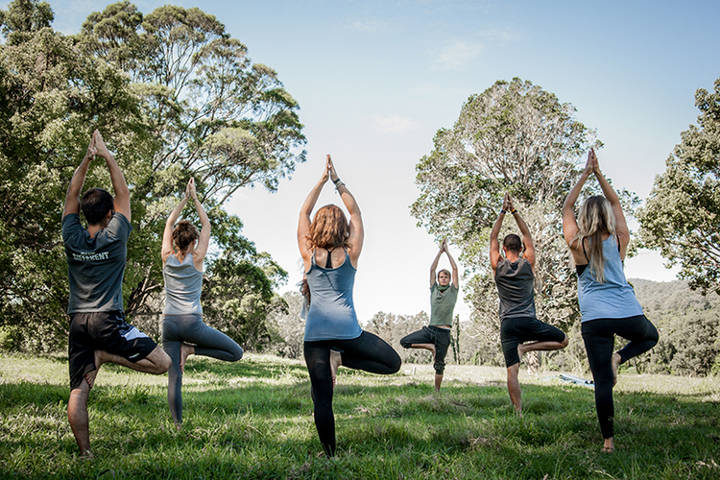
<point x="442" y="304"/>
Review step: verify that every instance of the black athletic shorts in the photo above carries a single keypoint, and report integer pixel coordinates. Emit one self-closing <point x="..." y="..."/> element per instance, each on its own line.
<point x="514" y="331"/>
<point x="440" y="337"/>
<point x="107" y="331"/>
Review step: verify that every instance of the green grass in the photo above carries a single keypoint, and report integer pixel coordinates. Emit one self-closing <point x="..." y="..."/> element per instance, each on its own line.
<point x="252" y="419"/>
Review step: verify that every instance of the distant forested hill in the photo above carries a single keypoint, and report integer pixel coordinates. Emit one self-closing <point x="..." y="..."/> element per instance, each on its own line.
<point x="689" y="325"/>
<point x="676" y="296"/>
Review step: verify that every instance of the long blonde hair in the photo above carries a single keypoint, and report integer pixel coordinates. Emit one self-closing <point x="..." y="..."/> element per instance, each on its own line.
<point x="595" y="219"/>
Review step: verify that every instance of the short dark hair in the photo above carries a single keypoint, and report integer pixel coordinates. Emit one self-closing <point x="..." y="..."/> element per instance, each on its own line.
<point x="513" y="243"/>
<point x="95" y="205"/>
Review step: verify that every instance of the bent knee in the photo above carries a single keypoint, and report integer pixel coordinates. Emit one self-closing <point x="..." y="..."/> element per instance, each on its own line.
<point x="162" y="363"/>
<point x="564" y="342"/>
<point x="655" y="336"/>
<point x="395" y="363"/>
<point x="237" y="354"/>
<point x="405" y="344"/>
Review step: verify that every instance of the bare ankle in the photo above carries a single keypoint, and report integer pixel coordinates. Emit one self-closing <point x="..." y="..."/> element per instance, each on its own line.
<point x="86" y="454"/>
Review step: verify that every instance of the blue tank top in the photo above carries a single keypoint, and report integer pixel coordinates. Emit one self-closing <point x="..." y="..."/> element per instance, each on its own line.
<point x="331" y="315"/>
<point x="614" y="298"/>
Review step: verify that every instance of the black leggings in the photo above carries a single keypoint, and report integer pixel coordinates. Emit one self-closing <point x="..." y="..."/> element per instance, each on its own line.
<point x="367" y="352"/>
<point x="599" y="338"/>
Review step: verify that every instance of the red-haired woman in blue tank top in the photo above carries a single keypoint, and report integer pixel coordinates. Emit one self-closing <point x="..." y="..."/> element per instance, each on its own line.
<point x="330" y="247"/>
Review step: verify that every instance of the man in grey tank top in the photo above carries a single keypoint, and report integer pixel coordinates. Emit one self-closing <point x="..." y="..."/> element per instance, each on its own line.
<point x="515" y="283"/>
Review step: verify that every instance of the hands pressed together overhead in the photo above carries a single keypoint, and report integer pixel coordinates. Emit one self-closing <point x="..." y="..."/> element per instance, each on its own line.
<point x="97" y="146"/>
<point x="507" y="203"/>
<point x="444" y="246"/>
<point x="190" y="191"/>
<point x="592" y="165"/>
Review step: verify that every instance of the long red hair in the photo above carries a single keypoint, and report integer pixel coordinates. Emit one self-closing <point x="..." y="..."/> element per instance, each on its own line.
<point x="329" y="228"/>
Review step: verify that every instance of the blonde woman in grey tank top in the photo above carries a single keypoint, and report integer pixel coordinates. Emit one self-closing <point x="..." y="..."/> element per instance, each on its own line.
<point x="183" y="331"/>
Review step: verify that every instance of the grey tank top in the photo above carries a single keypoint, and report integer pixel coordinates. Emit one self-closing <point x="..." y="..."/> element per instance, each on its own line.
<point x="183" y="285"/>
<point x="515" y="281"/>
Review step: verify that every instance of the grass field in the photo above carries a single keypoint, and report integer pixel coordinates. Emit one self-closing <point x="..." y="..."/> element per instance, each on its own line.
<point x="253" y="419"/>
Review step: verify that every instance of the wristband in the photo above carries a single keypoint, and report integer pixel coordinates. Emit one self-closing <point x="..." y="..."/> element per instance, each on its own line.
<point x="338" y="185"/>
<point x="336" y="181"/>
<point x="503" y="211"/>
<point x="513" y="211"/>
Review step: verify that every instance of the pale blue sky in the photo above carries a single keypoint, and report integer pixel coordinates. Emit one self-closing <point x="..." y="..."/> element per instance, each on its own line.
<point x="376" y="79"/>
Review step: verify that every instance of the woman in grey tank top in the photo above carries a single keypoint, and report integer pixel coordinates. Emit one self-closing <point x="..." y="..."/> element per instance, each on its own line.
<point x="183" y="331"/>
<point x="330" y="248"/>
<point x="598" y="240"/>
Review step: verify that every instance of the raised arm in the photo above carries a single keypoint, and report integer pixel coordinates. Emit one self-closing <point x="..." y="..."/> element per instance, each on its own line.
<point x="494" y="244"/>
<point x="453" y="265"/>
<point x="570" y="227"/>
<point x="529" y="253"/>
<point x="304" y="221"/>
<point x="204" y="240"/>
<point x="433" y="266"/>
<point x="357" y="232"/>
<point x="72" y="202"/>
<point x="167" y="247"/>
<point x="621" y="228"/>
<point x="122" y="193"/>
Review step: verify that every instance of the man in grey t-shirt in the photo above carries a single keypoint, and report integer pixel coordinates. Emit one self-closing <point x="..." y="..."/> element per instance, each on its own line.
<point x="515" y="283"/>
<point x="96" y="264"/>
<point x="443" y="295"/>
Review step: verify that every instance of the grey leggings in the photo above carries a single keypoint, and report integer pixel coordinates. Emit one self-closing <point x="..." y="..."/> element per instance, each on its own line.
<point x="190" y="329"/>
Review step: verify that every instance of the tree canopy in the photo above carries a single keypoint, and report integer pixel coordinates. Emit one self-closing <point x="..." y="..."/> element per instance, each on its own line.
<point x="175" y="96"/>
<point x="513" y="137"/>
<point x="682" y="214"/>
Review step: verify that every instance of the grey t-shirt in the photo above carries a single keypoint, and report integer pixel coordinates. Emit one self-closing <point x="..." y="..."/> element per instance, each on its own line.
<point x="442" y="304"/>
<point x="515" y="281"/>
<point x="95" y="265"/>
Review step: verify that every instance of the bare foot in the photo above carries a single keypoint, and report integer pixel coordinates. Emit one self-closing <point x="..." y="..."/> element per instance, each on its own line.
<point x="335" y="362"/>
<point x="616" y="359"/>
<point x="185" y="351"/>
<point x="608" y="446"/>
<point x="87" y="455"/>
<point x="90" y="378"/>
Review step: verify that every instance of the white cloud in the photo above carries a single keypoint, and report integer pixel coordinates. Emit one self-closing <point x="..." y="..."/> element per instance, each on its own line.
<point x="456" y="55"/>
<point x="394" y="123"/>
